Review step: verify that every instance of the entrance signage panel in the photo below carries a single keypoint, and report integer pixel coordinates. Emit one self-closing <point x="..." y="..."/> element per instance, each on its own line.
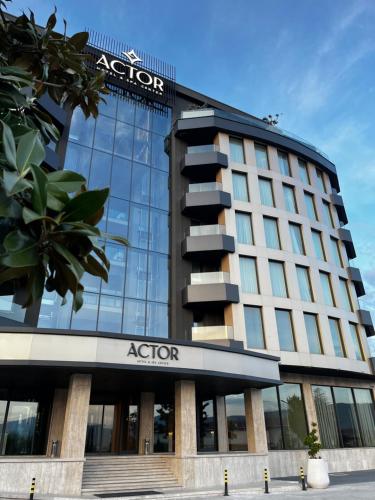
<point x="153" y="351"/>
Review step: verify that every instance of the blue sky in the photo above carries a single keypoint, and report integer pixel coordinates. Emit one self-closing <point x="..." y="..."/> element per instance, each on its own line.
<point x="311" y="60"/>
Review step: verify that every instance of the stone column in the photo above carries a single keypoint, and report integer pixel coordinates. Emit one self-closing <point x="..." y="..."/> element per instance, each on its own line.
<point x="185" y="419"/>
<point x="57" y="419"/>
<point x="222" y="428"/>
<point x="255" y="423"/>
<point x="146" y="421"/>
<point x="76" y="414"/>
<point x="309" y="405"/>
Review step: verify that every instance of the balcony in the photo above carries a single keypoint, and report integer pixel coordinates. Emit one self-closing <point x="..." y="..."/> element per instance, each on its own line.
<point x="210" y="288"/>
<point x="203" y="162"/>
<point x="346" y="237"/>
<point x="211" y="333"/>
<point x="207" y="241"/>
<point x="355" y="276"/>
<point x="205" y="199"/>
<point x="366" y="321"/>
<point x="340" y="208"/>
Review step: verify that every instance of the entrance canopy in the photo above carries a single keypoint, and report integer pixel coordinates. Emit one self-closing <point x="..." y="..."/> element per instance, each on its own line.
<point x="154" y="358"/>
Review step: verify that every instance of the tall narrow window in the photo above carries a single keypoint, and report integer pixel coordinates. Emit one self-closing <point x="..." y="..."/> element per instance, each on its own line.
<point x="283" y="163"/>
<point x="366" y="415"/>
<point x="320" y="180"/>
<point x="285" y="417"/>
<point x="303" y="172"/>
<point x="290" y="199"/>
<point x="345" y="295"/>
<point x="304" y="284"/>
<point x="240" y="190"/>
<point x="244" y="228"/>
<point x="347" y="417"/>
<point x="338" y="344"/>
<point x="271" y="232"/>
<point x="249" y="279"/>
<point x="296" y="237"/>
<point x="254" y="327"/>
<point x="327" y="289"/>
<point x="313" y="336"/>
<point x="310" y="206"/>
<point x="261" y="156"/>
<point x="236" y="422"/>
<point x="325" y="410"/>
<point x="336" y="252"/>
<point x="285" y="330"/>
<point x="318" y="244"/>
<point x="236" y="150"/>
<point x="327" y="215"/>
<point x="266" y="193"/>
<point x="356" y="342"/>
<point x="278" y="281"/>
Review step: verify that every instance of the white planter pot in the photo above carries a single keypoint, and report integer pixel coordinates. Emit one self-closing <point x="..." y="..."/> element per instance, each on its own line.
<point x="317" y="473"/>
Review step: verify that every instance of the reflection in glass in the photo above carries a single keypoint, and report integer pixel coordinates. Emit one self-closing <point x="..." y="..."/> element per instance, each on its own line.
<point x="118" y="217"/>
<point x="110" y="314"/>
<point x="78" y="159"/>
<point x="271" y="232"/>
<point x="266" y="193"/>
<point x="159" y="190"/>
<point x="206" y="425"/>
<point x="157" y="288"/>
<point x="134" y="317"/>
<point x="100" y="170"/>
<point x="285" y="330"/>
<point x="104" y="132"/>
<point x="143" y="117"/>
<point x="100" y="428"/>
<point x="159" y="231"/>
<point x="124" y="140"/>
<point x="140" y="190"/>
<point x="116" y="275"/>
<point x="157" y="320"/>
<point x="136" y="274"/>
<point x="293" y="418"/>
<point x="366" y="415"/>
<point x="346" y="417"/>
<point x="108" y="107"/>
<point x="160" y="158"/>
<point x="254" y="327"/>
<point x="236" y="422"/>
<point x="164" y="428"/>
<point x="120" y="178"/>
<point x="312" y="330"/>
<point x="81" y="130"/>
<point x="325" y="411"/>
<point x="240" y="191"/>
<point x="19" y="432"/>
<point x="85" y="318"/>
<point x="272" y="419"/>
<point x="52" y="314"/>
<point x="244" y="228"/>
<point x="138" y="232"/>
<point x="142" y="146"/>
<point x="125" y="110"/>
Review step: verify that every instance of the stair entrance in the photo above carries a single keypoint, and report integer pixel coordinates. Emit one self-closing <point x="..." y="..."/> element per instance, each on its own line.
<point x="117" y="474"/>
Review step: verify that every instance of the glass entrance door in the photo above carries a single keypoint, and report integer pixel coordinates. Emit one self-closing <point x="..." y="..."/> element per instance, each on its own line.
<point x="100" y="428"/>
<point x="130" y="428"/>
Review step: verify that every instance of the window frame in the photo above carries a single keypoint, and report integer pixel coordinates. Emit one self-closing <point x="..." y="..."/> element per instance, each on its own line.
<point x="305" y="166"/>
<point x="312" y="295"/>
<point x="285" y="280"/>
<point x="318" y="329"/>
<point x="270" y="183"/>
<point x="238" y="140"/>
<point x="334" y="303"/>
<point x="300" y="232"/>
<point x="282" y="152"/>
<point x="276" y="220"/>
<point x="341" y="338"/>
<point x="292" y="188"/>
<point x="243" y="175"/>
<point x="264" y="147"/>
<point x="289" y="311"/>
<point x="308" y="195"/>
<point x="260" y="309"/>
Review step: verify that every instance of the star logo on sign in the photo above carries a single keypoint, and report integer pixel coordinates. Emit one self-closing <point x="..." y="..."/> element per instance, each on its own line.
<point x="132" y="56"/>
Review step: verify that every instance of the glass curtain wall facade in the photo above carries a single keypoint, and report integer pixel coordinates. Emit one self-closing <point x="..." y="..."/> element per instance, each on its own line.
<point x="123" y="149"/>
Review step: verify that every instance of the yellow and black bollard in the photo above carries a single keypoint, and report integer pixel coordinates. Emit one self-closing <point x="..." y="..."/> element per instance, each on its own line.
<point x="226" y="494"/>
<point x="266" y="479"/>
<point x="32" y="488"/>
<point x="302" y="474"/>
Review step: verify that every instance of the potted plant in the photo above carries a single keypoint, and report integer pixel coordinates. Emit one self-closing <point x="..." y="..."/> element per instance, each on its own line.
<point x="317" y="467"/>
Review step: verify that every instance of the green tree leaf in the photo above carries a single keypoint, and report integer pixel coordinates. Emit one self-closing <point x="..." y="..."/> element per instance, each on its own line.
<point x="30" y="151"/>
<point x="72" y="261"/>
<point x="9" y="145"/>
<point x="39" y="192"/>
<point x="85" y="204"/>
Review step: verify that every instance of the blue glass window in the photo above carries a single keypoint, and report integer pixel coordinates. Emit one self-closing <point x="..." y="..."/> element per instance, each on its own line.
<point x="110" y="314"/>
<point x="140" y="190"/>
<point x="157" y="288"/>
<point x="78" y="159"/>
<point x="136" y="274"/>
<point x="138" y="233"/>
<point x="124" y="140"/>
<point x="125" y="111"/>
<point x="142" y="146"/>
<point x="81" y="129"/>
<point x="159" y="190"/>
<point x="104" y="133"/>
<point x="159" y="231"/>
<point x="120" y="178"/>
<point x="157" y="320"/>
<point x="116" y="276"/>
<point x="118" y="217"/>
<point x="134" y="317"/>
<point x="100" y="172"/>
<point x="159" y="158"/>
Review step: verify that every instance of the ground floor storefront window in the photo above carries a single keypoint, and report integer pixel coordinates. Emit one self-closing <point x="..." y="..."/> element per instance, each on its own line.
<point x="285" y="417"/>
<point x="236" y="422"/>
<point x="22" y="426"/>
<point x="206" y="425"/>
<point x="164" y="427"/>
<point x="346" y="416"/>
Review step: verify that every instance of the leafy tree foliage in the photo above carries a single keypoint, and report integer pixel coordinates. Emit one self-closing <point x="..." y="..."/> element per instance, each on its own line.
<point x="312" y="441"/>
<point x="48" y="220"/>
